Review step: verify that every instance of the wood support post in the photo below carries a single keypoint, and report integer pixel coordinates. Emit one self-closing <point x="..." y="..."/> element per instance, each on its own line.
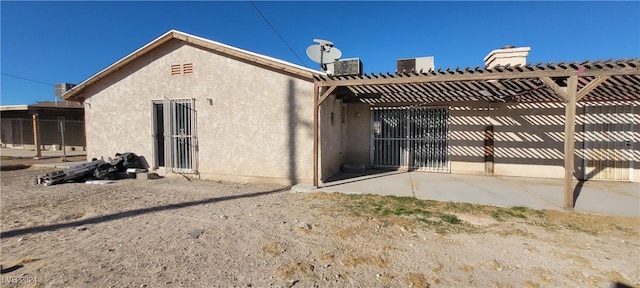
<point x="488" y="150"/>
<point x="320" y="94"/>
<point x="36" y="139"/>
<point x="326" y="94"/>
<point x="559" y="90"/>
<point x="569" y="140"/>
<point x="590" y="86"/>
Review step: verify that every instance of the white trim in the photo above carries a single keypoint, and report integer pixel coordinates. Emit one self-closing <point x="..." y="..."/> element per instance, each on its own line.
<point x="249" y="52"/>
<point x="14" y="108"/>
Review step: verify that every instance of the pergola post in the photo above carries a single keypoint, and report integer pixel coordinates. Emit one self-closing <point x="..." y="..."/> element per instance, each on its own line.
<point x="569" y="140"/>
<point x="317" y="101"/>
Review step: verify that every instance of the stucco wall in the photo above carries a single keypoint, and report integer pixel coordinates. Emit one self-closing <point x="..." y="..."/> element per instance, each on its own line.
<point x="358" y="140"/>
<point x="467" y="122"/>
<point x="331" y="141"/>
<point x="528" y="141"/>
<point x="258" y="125"/>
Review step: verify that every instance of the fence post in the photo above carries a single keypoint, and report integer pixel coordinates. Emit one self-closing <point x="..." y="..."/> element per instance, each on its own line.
<point x="62" y="126"/>
<point x="36" y="140"/>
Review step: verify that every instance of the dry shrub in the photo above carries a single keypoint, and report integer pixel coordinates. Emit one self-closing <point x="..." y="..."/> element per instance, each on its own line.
<point x="356" y="261"/>
<point x="289" y="271"/>
<point x="467" y="268"/>
<point x="529" y="284"/>
<point x="273" y="248"/>
<point x="543" y="274"/>
<point x="438" y="268"/>
<point x="24" y="260"/>
<point x="327" y="257"/>
<point x="417" y="280"/>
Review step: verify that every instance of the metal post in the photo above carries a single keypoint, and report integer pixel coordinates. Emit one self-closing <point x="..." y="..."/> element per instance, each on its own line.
<point x="36" y="140"/>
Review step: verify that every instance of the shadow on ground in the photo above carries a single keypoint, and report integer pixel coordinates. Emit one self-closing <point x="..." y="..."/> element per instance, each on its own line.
<point x="130" y="213"/>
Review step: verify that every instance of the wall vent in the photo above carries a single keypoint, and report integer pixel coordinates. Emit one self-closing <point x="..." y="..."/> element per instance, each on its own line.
<point x="187" y="68"/>
<point x="175" y="69"/>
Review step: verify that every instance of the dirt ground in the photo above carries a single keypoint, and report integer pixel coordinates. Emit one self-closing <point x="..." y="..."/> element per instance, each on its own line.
<point x="174" y="232"/>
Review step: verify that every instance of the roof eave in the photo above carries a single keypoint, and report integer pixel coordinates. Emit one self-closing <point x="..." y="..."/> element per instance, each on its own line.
<point x="76" y="93"/>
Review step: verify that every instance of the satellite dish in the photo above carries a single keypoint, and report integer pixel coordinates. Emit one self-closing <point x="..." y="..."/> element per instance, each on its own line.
<point x="323" y="52"/>
<point x="323" y="55"/>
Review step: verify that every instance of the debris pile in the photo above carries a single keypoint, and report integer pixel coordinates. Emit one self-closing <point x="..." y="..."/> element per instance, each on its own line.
<point x="97" y="169"/>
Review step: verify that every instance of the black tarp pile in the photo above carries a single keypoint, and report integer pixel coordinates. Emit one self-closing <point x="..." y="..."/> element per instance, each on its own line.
<point x="112" y="169"/>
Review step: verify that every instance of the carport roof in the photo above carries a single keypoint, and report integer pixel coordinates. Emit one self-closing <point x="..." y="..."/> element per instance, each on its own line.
<point x="610" y="80"/>
<point x="599" y="80"/>
<point x="76" y="93"/>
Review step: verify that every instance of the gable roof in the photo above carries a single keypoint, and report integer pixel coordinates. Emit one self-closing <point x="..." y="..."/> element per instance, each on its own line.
<point x="75" y="94"/>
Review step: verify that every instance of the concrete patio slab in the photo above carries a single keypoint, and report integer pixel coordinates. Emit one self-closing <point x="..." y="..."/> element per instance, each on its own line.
<point x="594" y="197"/>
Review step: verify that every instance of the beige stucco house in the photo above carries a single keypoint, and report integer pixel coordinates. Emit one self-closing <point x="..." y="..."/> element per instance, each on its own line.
<point x="195" y="106"/>
<point x="192" y="105"/>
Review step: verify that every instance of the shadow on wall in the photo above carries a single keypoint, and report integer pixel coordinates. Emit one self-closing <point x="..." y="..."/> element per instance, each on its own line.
<point x="293" y="123"/>
<point x="533" y="134"/>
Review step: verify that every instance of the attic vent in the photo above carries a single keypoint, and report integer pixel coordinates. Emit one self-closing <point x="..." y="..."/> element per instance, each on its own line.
<point x="175" y="69"/>
<point x="187" y="68"/>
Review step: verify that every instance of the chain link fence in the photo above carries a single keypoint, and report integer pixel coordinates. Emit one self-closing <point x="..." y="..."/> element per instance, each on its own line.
<point x="53" y="134"/>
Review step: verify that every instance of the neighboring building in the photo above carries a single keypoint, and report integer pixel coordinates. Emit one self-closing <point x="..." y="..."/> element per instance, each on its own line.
<point x="192" y="105"/>
<point x="16" y="130"/>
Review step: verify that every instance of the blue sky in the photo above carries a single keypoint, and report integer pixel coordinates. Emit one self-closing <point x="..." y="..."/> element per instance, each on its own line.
<point x="54" y="42"/>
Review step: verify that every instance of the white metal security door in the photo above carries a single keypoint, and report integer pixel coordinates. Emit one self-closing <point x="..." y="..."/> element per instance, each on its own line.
<point x="183" y="142"/>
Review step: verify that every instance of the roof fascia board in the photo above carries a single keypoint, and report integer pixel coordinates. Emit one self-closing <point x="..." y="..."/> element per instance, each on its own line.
<point x="183" y="36"/>
<point x="118" y="64"/>
<point x="14" y="108"/>
<point x="477" y="77"/>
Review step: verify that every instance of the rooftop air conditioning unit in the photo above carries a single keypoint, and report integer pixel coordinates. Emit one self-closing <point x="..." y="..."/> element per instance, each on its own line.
<point x="62" y="88"/>
<point x="424" y="64"/>
<point x="344" y="67"/>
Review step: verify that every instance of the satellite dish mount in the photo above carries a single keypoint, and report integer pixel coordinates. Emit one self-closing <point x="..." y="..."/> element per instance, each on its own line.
<point x="323" y="53"/>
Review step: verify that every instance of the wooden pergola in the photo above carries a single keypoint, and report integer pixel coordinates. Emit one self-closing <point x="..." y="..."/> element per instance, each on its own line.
<point x="589" y="81"/>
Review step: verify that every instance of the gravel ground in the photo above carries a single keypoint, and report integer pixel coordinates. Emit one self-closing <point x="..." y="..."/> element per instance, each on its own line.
<point x="173" y="232"/>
